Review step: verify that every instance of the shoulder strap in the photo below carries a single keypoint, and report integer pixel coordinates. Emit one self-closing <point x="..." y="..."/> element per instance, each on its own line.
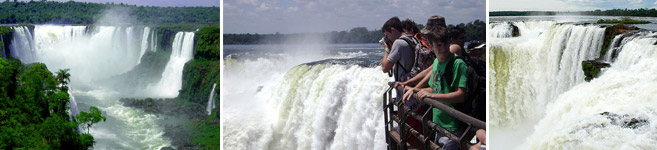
<point x="449" y="69"/>
<point x="410" y="44"/>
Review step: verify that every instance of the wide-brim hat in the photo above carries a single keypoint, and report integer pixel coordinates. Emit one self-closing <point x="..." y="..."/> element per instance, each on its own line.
<point x="433" y="21"/>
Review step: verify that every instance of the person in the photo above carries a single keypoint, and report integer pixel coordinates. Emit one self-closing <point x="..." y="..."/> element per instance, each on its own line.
<point x="475" y="48"/>
<point x="447" y="92"/>
<point x="425" y="55"/>
<point x="401" y="54"/>
<point x="457" y="39"/>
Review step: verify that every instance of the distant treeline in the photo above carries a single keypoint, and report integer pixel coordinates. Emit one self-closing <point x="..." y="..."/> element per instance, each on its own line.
<point x="39" y="12"/>
<point x="613" y="12"/>
<point x="475" y="30"/>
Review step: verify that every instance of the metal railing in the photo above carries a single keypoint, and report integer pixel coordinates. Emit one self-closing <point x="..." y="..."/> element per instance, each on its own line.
<point x="429" y="128"/>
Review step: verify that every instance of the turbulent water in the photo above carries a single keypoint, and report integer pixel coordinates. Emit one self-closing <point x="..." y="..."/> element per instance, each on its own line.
<point x="95" y="53"/>
<point x="303" y="97"/>
<point x="541" y="101"/>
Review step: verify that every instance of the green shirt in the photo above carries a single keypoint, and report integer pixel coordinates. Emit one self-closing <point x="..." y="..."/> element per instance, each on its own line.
<point x="439" y="117"/>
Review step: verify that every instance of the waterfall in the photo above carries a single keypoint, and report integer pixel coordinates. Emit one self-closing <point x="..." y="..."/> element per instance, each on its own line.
<point x="23" y="45"/>
<point x="541" y="101"/>
<point x="319" y="106"/>
<point x="73" y="108"/>
<point x="211" y="104"/>
<point x="527" y="75"/>
<point x="627" y="88"/>
<point x="94" y="55"/>
<point x="144" y="43"/>
<point x="2" y="47"/>
<point x="181" y="52"/>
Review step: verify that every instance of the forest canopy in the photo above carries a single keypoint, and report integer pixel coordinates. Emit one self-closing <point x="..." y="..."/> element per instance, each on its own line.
<point x="475" y="30"/>
<point x="41" y="12"/>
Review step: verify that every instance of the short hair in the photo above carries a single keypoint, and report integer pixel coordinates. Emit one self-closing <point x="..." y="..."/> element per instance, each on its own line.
<point x="393" y="22"/>
<point x="409" y="25"/>
<point x="438" y="34"/>
<point x="455" y="32"/>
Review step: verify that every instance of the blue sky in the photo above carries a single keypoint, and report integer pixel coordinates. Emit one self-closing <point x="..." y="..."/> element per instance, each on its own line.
<point x="298" y="16"/>
<point x="569" y="5"/>
<point x="154" y="2"/>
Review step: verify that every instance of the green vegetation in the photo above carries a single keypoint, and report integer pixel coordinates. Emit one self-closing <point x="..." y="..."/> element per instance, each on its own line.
<point x="612" y="12"/>
<point x="206" y="132"/>
<point x="92" y="117"/>
<point x="207" y="43"/>
<point x="6" y="33"/>
<point x="33" y="109"/>
<point x="202" y="72"/>
<point x="623" y="21"/>
<point x="199" y="75"/>
<point x="475" y="30"/>
<point x="592" y="68"/>
<point x="39" y="12"/>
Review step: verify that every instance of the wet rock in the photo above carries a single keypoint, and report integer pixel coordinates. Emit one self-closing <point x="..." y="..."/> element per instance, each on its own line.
<point x="515" y="32"/>
<point x="592" y="68"/>
<point x="625" y="121"/>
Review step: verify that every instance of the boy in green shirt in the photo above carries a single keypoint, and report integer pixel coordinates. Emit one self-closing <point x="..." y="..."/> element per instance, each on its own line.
<point x="447" y="92"/>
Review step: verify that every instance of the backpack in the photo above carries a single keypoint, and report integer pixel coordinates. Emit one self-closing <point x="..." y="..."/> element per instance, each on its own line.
<point x="423" y="57"/>
<point x="475" y="91"/>
<point x="411" y="43"/>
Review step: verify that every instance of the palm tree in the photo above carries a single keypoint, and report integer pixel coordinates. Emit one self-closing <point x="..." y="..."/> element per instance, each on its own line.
<point x="63" y="77"/>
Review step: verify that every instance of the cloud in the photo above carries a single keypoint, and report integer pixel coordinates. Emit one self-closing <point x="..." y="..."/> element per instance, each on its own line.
<point x="294" y="16"/>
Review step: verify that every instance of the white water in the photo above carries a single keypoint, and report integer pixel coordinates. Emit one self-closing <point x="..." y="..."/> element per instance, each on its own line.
<point x="540" y="100"/>
<point x="23" y="40"/>
<point x="211" y="104"/>
<point x="629" y="87"/>
<point x="2" y="47"/>
<point x="95" y="54"/>
<point x="277" y="104"/>
<point x="181" y="52"/>
<point x="145" y="44"/>
<point x="73" y="108"/>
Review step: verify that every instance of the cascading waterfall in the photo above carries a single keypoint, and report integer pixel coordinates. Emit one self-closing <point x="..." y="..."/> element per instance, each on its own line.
<point x="2" y="47"/>
<point x="521" y="71"/>
<point x="318" y="106"/>
<point x="541" y="101"/>
<point x="23" y="40"/>
<point x="181" y="52"/>
<point x="94" y="54"/>
<point x="531" y="71"/>
<point x="627" y="88"/>
<point x="145" y="44"/>
<point x="73" y="108"/>
<point x="211" y="104"/>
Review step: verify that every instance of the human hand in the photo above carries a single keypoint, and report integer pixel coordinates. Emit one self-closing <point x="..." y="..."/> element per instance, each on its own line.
<point x="481" y="135"/>
<point x="422" y="94"/>
<point x="407" y="95"/>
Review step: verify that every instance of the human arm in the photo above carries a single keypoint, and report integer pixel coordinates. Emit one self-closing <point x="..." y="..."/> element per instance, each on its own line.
<point x="458" y="96"/>
<point x="385" y="64"/>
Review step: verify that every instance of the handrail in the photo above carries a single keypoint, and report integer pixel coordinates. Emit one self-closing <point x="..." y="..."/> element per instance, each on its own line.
<point x="450" y="111"/>
<point x="427" y="123"/>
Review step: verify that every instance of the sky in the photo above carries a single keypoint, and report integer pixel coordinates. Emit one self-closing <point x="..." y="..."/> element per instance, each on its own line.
<point x="568" y="5"/>
<point x="164" y="3"/>
<point x="302" y="16"/>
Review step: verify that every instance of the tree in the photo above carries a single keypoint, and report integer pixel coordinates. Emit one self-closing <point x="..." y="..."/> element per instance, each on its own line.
<point x="90" y="118"/>
<point x="63" y="78"/>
